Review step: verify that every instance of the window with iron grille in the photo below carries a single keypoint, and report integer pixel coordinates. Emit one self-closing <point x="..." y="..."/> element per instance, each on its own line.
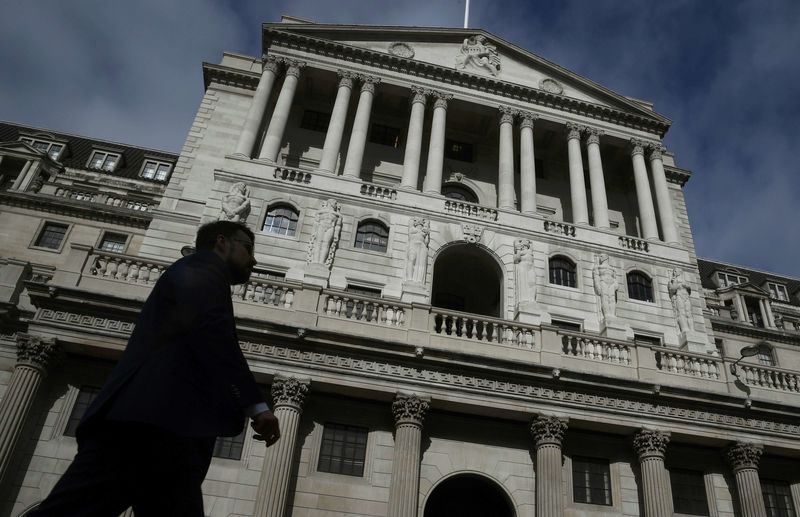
<point x="688" y="492"/>
<point x="86" y="396"/>
<point x="385" y="135"/>
<point x="113" y="242"/>
<point x="230" y="447"/>
<point x="315" y="121"/>
<point x="343" y="450"/>
<point x="51" y="236"/>
<point x="281" y="220"/>
<point x="640" y="287"/>
<point x="591" y="481"/>
<point x="372" y="235"/>
<point x="562" y="271"/>
<point x="460" y="151"/>
<point x="777" y="498"/>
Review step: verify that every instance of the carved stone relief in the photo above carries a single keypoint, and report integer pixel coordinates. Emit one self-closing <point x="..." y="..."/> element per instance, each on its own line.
<point x="605" y="287"/>
<point x="680" y="295"/>
<point x="524" y="272"/>
<point x="479" y="52"/>
<point x="472" y="232"/>
<point x="419" y="236"/>
<point x="401" y="50"/>
<point x="551" y="86"/>
<point x="325" y="237"/>
<point x="236" y="203"/>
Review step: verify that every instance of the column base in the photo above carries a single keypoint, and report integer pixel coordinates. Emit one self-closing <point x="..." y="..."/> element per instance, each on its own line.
<point x="615" y="329"/>
<point x="693" y="341"/>
<point x="317" y="274"/>
<point x="414" y="292"/>
<point x="532" y="313"/>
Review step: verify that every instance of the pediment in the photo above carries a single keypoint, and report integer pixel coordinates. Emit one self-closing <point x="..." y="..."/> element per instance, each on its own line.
<point x="21" y="148"/>
<point x="747" y="288"/>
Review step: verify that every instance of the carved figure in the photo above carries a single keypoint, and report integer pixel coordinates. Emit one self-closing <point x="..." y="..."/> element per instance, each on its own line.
<point x="606" y="287"/>
<point x="236" y="203"/>
<point x="680" y="295"/>
<point x="327" y="227"/>
<point x="524" y="271"/>
<point x="479" y="52"/>
<point x="419" y="236"/>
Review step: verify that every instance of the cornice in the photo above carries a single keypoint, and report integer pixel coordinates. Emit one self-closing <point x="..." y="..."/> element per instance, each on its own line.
<point x="229" y="76"/>
<point x="739" y="329"/>
<point x="85" y="210"/>
<point x="677" y="175"/>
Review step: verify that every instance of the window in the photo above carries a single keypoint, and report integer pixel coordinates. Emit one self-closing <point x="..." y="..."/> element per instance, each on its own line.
<point x="778" y="291"/>
<point x="719" y="345"/>
<point x="315" y="121"/>
<point x="366" y="291"/>
<point x="372" y="235"/>
<point x="343" y="450"/>
<point x="566" y="325"/>
<point x="650" y="340"/>
<point x="753" y="308"/>
<point x="230" y="447"/>
<point x="591" y="481"/>
<point x="281" y="220"/>
<point x="102" y="160"/>
<point x="459" y="193"/>
<point x="460" y="151"/>
<point x="688" y="492"/>
<point x="86" y="396"/>
<point x="729" y="279"/>
<point x="385" y="135"/>
<point x="640" y="287"/>
<point x="113" y="242"/>
<point x="154" y="170"/>
<point x="777" y="498"/>
<point x="51" y="236"/>
<point x="562" y="272"/>
<point x="53" y="149"/>
<point x="766" y="357"/>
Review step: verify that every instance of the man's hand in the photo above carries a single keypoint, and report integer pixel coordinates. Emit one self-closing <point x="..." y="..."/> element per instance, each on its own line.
<point x="266" y="427"/>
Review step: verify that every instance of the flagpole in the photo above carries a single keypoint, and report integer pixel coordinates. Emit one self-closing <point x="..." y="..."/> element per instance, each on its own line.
<point x="466" y="14"/>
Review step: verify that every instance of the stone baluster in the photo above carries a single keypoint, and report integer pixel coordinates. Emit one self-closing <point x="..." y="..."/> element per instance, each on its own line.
<point x="548" y="435"/>
<point x="358" y="137"/>
<point x="333" y="138"/>
<point x="596" y="178"/>
<point x="577" y="186"/>
<point x="650" y="446"/>
<point x="288" y="397"/>
<point x="34" y="357"/>
<point x="665" y="212"/>
<point x="433" y="173"/>
<point x="414" y="140"/>
<point x="743" y="458"/>
<point x="647" y="215"/>
<point x="505" y="169"/>
<point x="258" y="106"/>
<point x="409" y="414"/>
<point x="280" y="115"/>
<point x="527" y="163"/>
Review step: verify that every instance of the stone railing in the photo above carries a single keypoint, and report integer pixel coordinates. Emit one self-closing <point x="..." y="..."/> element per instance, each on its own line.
<point x="363" y="309"/>
<point x="482" y="328"/>
<point x="79" y="195"/>
<point x="673" y="361"/>
<point x="292" y="175"/>
<point x="266" y="292"/>
<point x="772" y="378"/>
<point x="462" y="208"/>
<point x="378" y="191"/>
<point x="128" y="269"/>
<point x="560" y="228"/>
<point x="632" y="243"/>
<point x="597" y="349"/>
<point x="141" y="206"/>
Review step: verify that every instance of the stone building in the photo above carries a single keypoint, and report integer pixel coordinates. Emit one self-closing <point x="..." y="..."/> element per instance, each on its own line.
<point x="477" y="290"/>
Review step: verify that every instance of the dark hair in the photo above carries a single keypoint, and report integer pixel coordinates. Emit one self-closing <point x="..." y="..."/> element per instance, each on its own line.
<point x="207" y="234"/>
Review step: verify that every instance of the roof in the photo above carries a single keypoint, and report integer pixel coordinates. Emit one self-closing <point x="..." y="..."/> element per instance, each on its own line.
<point x="755" y="277"/>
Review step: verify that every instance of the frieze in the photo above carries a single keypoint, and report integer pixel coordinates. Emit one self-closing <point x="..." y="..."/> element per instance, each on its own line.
<point x="85" y="321"/>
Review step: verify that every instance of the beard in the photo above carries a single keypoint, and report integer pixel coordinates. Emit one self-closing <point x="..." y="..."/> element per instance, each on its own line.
<point x="239" y="274"/>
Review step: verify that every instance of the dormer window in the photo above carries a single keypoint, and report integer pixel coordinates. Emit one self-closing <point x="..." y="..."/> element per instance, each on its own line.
<point x="53" y="149"/>
<point x="156" y="170"/>
<point x="729" y="279"/>
<point x="104" y="161"/>
<point x="778" y="291"/>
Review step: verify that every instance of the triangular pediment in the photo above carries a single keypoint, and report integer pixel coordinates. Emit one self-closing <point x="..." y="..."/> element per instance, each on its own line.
<point x="747" y="289"/>
<point x="21" y="148"/>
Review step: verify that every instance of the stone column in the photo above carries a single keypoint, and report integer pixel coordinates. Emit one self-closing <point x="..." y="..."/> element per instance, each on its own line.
<point x="665" y="212"/>
<point x="333" y="138"/>
<point x="358" y="137"/>
<point x="596" y="178"/>
<point x="433" y="174"/>
<point x="280" y="115"/>
<point x="548" y="434"/>
<point x="288" y="397"/>
<point x="527" y="163"/>
<point x="23" y="174"/>
<point x="647" y="215"/>
<point x="255" y="114"/>
<point x="577" y="186"/>
<point x="505" y="169"/>
<point x="795" y="491"/>
<point x="650" y="446"/>
<point x="743" y="458"/>
<point x="409" y="414"/>
<point x="414" y="139"/>
<point x="34" y="356"/>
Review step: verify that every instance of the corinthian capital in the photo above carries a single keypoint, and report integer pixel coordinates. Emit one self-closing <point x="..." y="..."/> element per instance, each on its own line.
<point x="346" y="78"/>
<point x="636" y="146"/>
<point x="270" y="63"/>
<point x="36" y="352"/>
<point x="573" y="130"/>
<point x="650" y="443"/>
<point x="294" y="67"/>
<point x="548" y="430"/>
<point x="656" y="149"/>
<point x="507" y="114"/>
<point x="527" y="118"/>
<point x="742" y="455"/>
<point x="420" y="95"/>
<point x="288" y="391"/>
<point x="592" y="135"/>
<point x="368" y="82"/>
<point x="409" y="409"/>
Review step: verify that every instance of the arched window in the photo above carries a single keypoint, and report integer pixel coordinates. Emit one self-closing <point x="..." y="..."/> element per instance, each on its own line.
<point x="562" y="271"/>
<point x="281" y="219"/>
<point x="372" y="235"/>
<point x="459" y="192"/>
<point x="640" y="287"/>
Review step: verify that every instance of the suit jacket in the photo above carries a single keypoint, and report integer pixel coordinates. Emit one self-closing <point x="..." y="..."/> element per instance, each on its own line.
<point x="182" y="369"/>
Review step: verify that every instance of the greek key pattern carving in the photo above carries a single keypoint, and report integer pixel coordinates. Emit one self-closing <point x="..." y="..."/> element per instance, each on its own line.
<point x="289" y="392"/>
<point x="409" y="409"/>
<point x="650" y="443"/>
<point x="85" y="320"/>
<point x="35" y="351"/>
<point x="742" y="455"/>
<point x="548" y="430"/>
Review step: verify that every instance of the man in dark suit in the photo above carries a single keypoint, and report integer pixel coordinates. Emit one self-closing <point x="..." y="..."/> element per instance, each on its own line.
<point x="147" y="439"/>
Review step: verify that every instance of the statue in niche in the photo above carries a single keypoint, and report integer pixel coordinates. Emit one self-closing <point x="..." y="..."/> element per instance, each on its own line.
<point x="524" y="272"/>
<point x="606" y="287"/>
<point x="479" y="52"/>
<point x="680" y="294"/>
<point x="327" y="227"/>
<point x="419" y="236"/>
<point x="236" y="203"/>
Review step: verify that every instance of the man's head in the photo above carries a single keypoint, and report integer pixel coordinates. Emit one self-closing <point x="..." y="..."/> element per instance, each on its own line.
<point x="233" y="242"/>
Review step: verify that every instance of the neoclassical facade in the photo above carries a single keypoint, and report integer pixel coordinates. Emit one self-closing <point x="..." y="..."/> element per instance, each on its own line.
<point x="477" y="290"/>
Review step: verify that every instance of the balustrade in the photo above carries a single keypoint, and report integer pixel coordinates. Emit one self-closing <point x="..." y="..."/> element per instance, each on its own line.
<point x="482" y="328"/>
<point x="687" y="364"/>
<point x="772" y="378"/>
<point x="634" y="244"/>
<point x="560" y="228"/>
<point x="127" y="269"/>
<point x="596" y="349"/>
<point x="378" y="192"/>
<point x="292" y="175"/>
<point x="266" y="292"/>
<point x="364" y="309"/>
<point x="462" y="208"/>
<point x="78" y="195"/>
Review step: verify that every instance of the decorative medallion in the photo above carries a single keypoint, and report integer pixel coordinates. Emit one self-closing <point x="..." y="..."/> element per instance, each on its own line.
<point x="472" y="232"/>
<point x="480" y="53"/>
<point x="401" y="50"/>
<point x="551" y="86"/>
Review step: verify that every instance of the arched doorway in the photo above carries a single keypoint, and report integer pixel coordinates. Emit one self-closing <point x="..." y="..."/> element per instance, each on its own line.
<point x="467" y="278"/>
<point x="468" y="495"/>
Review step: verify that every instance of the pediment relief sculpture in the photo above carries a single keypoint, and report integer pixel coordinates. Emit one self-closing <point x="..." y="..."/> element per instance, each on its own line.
<point x="478" y="52"/>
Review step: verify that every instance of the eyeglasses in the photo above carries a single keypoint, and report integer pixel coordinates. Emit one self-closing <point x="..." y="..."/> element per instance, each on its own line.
<point x="246" y="244"/>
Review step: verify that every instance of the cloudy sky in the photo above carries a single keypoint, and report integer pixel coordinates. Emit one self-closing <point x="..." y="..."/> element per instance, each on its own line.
<point x="727" y="72"/>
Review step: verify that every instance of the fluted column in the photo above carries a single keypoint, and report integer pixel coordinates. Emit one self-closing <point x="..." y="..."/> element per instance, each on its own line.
<point x="527" y="163"/>
<point x="548" y="434"/>
<point x="288" y="397"/>
<point x="647" y="215"/>
<point x="255" y="114"/>
<point x="505" y="169"/>
<point x="433" y="173"/>
<point x="577" y="186"/>
<point x="34" y="356"/>
<point x="358" y="137"/>
<point x="409" y="414"/>
<point x="665" y="212"/>
<point x="333" y="138"/>
<point x="280" y="115"/>
<point x="414" y="139"/>
<point x="743" y="458"/>
<point x="597" y="179"/>
<point x="650" y="446"/>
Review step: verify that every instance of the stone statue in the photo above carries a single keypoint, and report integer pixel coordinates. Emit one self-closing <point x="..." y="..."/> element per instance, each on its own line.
<point x="479" y="52"/>
<point x="419" y="236"/>
<point x="327" y="227"/>
<point x="680" y="295"/>
<point x="524" y="272"/>
<point x="236" y="203"/>
<point x="606" y="286"/>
